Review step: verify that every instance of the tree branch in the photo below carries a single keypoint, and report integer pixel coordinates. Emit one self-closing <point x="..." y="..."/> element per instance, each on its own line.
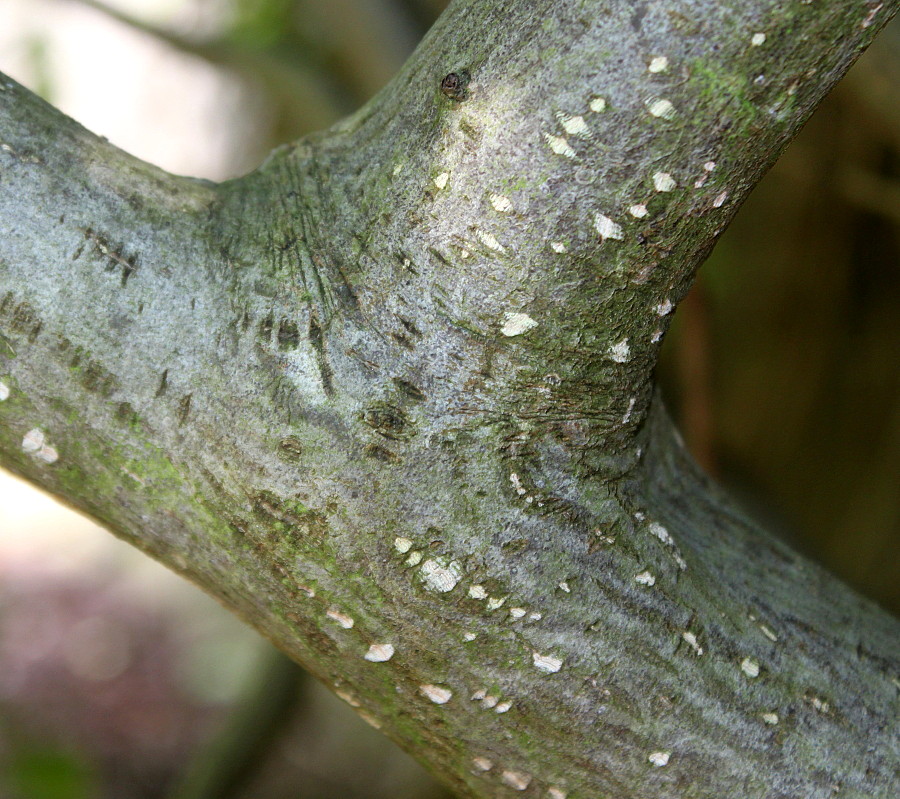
<point x="390" y="398"/>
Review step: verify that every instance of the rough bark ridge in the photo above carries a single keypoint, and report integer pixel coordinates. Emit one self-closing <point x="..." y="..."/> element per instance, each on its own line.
<point x="390" y="399"/>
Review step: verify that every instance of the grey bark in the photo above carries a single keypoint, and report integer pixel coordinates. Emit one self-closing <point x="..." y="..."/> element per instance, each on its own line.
<point x="390" y="399"/>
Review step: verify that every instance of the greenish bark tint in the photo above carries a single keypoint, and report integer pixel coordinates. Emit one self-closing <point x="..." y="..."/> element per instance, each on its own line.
<point x="390" y="398"/>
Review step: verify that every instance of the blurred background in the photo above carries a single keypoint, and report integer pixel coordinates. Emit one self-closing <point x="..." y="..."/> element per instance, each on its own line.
<point x="119" y="680"/>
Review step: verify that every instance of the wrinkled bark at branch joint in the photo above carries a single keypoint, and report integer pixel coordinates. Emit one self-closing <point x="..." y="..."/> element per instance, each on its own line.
<point x="390" y="398"/>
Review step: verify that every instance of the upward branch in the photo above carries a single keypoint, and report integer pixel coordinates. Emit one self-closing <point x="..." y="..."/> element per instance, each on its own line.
<point x="390" y="398"/>
<point x="558" y="200"/>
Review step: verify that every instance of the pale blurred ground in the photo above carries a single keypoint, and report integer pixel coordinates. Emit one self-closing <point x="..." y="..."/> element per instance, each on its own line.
<point x="45" y="544"/>
<point x="804" y="285"/>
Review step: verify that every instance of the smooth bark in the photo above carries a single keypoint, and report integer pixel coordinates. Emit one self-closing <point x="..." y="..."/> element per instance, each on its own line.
<point x="390" y="398"/>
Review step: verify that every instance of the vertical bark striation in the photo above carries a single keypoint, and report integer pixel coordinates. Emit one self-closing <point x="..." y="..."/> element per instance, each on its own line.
<point x="390" y="398"/>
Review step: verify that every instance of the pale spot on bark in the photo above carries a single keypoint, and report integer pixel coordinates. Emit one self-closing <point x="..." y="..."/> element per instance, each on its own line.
<point x="133" y="476"/>
<point x="658" y="64"/>
<point x="663" y="181"/>
<point x="517" y="484"/>
<point x="414" y="559"/>
<point x="34" y="444"/>
<point x="559" y="145"/>
<point x="768" y="633"/>
<point x="535" y="616"/>
<point x="645" y="578"/>
<point x="503" y="707"/>
<point x="4" y="391"/>
<point x="557" y="246"/>
<point x="495" y="602"/>
<point x="556" y="793"/>
<point x="574" y="125"/>
<point x="480" y="694"/>
<point x="660" y="532"/>
<point x="515" y="324"/>
<point x="770" y="718"/>
<point x="691" y="639"/>
<point x="478" y="592"/>
<point x="379" y="653"/>
<point x="348" y="698"/>
<point x="469" y="636"/>
<point x="489" y="702"/>
<point x="33" y="440"/>
<point x="546" y="663"/>
<point x="597" y="105"/>
<point x="638" y="211"/>
<point x="819" y="704"/>
<point x="517" y="613"/>
<point x="370" y="720"/>
<point x="750" y="667"/>
<point x="441" y="180"/>
<point x="402" y="545"/>
<point x="664" y="308"/>
<point x="720" y="200"/>
<point x="659" y="758"/>
<point x="517" y="780"/>
<point x="607" y="228"/>
<point x="709" y="166"/>
<point x="489" y="241"/>
<point x="440" y="575"/>
<point x="339" y="618"/>
<point x="47" y="454"/>
<point x="870" y="18"/>
<point x="437" y="694"/>
<point x="757" y="39"/>
<point x="564" y="586"/>
<point x="620" y="352"/>
<point x="482" y="764"/>
<point x="660" y="107"/>
<point x="501" y="203"/>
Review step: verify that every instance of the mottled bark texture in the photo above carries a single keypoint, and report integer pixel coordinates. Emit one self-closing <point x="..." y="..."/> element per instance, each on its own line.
<point x="390" y="398"/>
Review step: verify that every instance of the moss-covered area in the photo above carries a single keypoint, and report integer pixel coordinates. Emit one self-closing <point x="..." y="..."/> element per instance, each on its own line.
<point x="521" y="470"/>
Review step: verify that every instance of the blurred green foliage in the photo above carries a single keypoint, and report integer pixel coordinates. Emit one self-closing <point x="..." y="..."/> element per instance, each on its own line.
<point x="263" y="23"/>
<point x="781" y="365"/>
<point x="36" y="770"/>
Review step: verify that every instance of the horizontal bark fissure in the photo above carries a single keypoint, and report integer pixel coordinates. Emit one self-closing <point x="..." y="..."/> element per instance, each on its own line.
<point x="395" y="388"/>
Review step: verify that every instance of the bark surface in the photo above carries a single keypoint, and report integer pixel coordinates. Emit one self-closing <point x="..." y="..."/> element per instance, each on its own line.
<point x="390" y="398"/>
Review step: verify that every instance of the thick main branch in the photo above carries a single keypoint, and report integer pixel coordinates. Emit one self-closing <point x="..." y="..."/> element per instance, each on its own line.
<point x="390" y="398"/>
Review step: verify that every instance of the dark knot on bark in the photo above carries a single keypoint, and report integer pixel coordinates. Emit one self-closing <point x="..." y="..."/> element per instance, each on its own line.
<point x="454" y="85"/>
